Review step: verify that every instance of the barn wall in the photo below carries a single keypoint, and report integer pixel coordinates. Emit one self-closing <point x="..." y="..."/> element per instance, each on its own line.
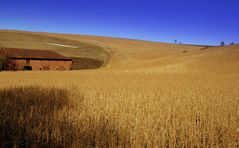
<point x="43" y="64"/>
<point x="2" y="53"/>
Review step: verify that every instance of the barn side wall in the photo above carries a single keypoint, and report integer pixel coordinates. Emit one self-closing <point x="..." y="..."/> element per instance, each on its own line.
<point x="2" y="54"/>
<point x="42" y="64"/>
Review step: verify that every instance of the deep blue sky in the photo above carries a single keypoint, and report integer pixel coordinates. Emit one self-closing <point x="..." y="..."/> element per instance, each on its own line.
<point x="188" y="21"/>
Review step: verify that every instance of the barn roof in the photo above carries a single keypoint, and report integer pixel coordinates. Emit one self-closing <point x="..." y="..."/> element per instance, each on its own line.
<point x="32" y="54"/>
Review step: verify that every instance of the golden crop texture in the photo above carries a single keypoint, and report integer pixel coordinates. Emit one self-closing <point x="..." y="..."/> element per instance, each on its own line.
<point x="137" y="109"/>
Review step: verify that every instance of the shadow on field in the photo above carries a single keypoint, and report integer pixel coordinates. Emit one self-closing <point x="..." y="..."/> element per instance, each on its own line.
<point x="40" y="117"/>
<point x="30" y="116"/>
<point x="86" y="63"/>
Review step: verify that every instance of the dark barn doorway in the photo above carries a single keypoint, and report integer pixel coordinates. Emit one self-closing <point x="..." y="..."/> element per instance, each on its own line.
<point x="27" y="68"/>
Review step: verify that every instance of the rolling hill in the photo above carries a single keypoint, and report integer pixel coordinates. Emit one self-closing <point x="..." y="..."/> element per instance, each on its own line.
<point x="128" y="54"/>
<point x="154" y="56"/>
<point x="75" y="49"/>
<point x="148" y="94"/>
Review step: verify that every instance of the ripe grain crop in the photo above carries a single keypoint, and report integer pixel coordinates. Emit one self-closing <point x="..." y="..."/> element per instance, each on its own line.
<point x="32" y="116"/>
<point x="135" y="109"/>
<point x="149" y="95"/>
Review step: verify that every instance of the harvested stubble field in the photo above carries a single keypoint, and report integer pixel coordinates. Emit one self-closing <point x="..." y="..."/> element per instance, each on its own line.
<point x="173" y="99"/>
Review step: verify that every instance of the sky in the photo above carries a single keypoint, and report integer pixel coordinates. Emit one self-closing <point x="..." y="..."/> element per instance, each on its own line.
<point x="206" y="22"/>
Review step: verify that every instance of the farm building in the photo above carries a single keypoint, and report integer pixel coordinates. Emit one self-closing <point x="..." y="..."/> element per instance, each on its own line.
<point x="26" y="59"/>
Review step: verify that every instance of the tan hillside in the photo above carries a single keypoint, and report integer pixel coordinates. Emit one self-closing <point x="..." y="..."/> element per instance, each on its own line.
<point x="153" y="56"/>
<point x="149" y="95"/>
<point x="137" y="54"/>
<point x="126" y="51"/>
<point x="70" y="48"/>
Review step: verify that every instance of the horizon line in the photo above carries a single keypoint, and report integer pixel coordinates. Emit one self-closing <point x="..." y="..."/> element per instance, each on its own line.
<point x="106" y="36"/>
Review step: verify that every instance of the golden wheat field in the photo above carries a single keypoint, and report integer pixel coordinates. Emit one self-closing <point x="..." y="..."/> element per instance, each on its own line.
<point x="149" y="95"/>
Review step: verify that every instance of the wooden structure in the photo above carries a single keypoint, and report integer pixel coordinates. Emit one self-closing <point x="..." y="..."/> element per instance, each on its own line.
<point x="26" y="59"/>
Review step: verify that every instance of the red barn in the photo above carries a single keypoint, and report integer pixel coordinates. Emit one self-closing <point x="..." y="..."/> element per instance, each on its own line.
<point x="26" y="59"/>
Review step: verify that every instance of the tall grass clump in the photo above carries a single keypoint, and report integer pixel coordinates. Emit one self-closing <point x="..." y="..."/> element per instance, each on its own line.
<point x="34" y="117"/>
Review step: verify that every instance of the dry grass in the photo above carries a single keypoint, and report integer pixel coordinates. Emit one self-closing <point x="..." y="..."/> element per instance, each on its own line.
<point x="31" y="116"/>
<point x="135" y="109"/>
<point x="125" y="52"/>
<point x="150" y="95"/>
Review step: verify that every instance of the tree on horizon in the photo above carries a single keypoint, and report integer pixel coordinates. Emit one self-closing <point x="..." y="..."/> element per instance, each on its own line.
<point x="222" y="43"/>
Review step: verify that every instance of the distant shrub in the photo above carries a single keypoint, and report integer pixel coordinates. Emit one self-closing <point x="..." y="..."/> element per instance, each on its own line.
<point x="222" y="43"/>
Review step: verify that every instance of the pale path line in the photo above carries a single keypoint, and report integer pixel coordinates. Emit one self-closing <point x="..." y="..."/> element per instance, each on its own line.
<point x="62" y="45"/>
